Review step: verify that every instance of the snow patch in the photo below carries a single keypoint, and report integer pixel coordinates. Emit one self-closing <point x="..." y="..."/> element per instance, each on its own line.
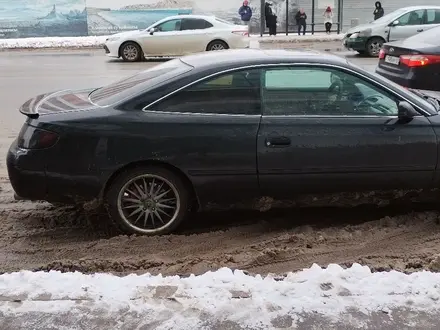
<point x="53" y="42"/>
<point x="98" y="41"/>
<point x="225" y="295"/>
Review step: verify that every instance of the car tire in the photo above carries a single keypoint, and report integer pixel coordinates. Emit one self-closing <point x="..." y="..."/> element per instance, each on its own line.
<point x="131" y="52"/>
<point x="217" y="45"/>
<point x="374" y="45"/>
<point x="148" y="200"/>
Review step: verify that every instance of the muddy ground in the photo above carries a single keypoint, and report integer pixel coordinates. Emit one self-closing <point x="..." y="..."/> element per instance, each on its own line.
<point x="38" y="236"/>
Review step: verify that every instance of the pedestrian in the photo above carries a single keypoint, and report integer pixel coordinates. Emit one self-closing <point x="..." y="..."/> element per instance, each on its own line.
<point x="301" y="18"/>
<point x="378" y="12"/>
<point x="271" y="19"/>
<point x="328" y="19"/>
<point x="245" y="13"/>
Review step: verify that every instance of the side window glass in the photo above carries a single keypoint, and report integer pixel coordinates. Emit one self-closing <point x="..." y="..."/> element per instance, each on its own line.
<point x="433" y="16"/>
<point x="195" y="24"/>
<point x="236" y="93"/>
<point x="168" y="26"/>
<point x="316" y="91"/>
<point x="412" y="18"/>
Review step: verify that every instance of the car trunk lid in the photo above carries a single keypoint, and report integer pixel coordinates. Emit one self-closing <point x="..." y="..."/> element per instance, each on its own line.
<point x="400" y="57"/>
<point x="60" y="101"/>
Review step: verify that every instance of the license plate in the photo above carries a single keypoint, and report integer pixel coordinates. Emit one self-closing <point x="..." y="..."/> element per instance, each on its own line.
<point x="392" y="59"/>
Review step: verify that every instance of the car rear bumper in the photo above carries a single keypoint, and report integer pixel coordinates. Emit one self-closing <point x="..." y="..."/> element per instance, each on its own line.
<point x="27" y="180"/>
<point x="30" y="179"/>
<point x="239" y="43"/>
<point x="414" y="78"/>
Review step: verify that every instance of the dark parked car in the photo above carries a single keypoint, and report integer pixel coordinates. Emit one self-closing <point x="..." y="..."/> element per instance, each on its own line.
<point x="413" y="62"/>
<point x="221" y="127"/>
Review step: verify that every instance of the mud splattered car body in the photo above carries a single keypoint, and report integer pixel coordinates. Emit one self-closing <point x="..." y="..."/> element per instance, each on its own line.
<point x="223" y="127"/>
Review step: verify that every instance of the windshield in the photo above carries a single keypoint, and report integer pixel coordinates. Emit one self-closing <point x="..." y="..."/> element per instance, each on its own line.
<point x="390" y="17"/>
<point x="142" y="81"/>
<point x="422" y="101"/>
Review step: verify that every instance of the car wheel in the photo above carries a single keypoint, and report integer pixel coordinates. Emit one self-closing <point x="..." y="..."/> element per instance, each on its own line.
<point x="217" y="45"/>
<point x="373" y="46"/>
<point x="131" y="52"/>
<point x="148" y="201"/>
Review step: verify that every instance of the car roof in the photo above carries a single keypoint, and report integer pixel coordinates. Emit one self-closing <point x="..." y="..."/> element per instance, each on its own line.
<point x="243" y="57"/>
<point x="421" y="7"/>
<point x="189" y="16"/>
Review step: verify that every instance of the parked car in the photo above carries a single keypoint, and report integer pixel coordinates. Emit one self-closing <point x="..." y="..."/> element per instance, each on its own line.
<point x="400" y="24"/>
<point x="218" y="128"/>
<point x="413" y="62"/>
<point x="176" y="36"/>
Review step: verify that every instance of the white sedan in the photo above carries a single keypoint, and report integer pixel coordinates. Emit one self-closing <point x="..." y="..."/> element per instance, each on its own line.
<point x="177" y="36"/>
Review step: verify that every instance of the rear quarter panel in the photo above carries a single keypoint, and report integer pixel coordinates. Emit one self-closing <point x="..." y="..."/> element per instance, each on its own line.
<point x="217" y="153"/>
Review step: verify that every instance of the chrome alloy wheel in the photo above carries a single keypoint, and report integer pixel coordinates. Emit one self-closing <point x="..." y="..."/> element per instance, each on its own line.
<point x="375" y="48"/>
<point x="148" y="203"/>
<point x="217" y="47"/>
<point x="130" y="52"/>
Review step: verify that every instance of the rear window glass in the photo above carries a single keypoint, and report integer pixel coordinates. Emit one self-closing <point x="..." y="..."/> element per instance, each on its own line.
<point x="223" y="21"/>
<point x="430" y="37"/>
<point x="141" y="81"/>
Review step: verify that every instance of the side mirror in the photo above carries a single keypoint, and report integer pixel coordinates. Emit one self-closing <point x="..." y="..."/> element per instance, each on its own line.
<point x="406" y="111"/>
<point x="152" y="30"/>
<point x="395" y="23"/>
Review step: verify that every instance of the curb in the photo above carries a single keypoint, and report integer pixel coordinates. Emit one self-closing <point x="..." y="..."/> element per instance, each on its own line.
<point x="297" y="41"/>
<point x="265" y="44"/>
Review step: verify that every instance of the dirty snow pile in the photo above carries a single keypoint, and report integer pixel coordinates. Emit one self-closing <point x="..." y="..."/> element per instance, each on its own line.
<point x="53" y="42"/>
<point x="319" y="37"/>
<point x="98" y="41"/>
<point x="183" y="303"/>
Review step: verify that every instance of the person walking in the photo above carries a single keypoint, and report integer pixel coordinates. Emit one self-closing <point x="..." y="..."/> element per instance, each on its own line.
<point x="378" y="12"/>
<point x="245" y="13"/>
<point x="271" y="19"/>
<point x="301" y="18"/>
<point x="328" y="19"/>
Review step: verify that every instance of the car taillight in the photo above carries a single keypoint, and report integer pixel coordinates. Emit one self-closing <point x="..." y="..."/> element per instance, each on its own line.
<point x="241" y="33"/>
<point x="419" y="60"/>
<point x="36" y="138"/>
<point x="381" y="54"/>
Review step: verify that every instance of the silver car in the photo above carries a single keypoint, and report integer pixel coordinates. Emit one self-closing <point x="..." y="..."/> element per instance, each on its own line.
<point x="400" y="24"/>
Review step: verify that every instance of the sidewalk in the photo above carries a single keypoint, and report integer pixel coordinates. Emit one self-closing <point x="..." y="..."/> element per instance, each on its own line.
<point x="318" y="41"/>
<point x="326" y="42"/>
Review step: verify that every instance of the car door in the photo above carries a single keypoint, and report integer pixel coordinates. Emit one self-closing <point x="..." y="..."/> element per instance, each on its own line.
<point x="216" y="122"/>
<point x="165" y="41"/>
<point x="432" y="19"/>
<point x="325" y="129"/>
<point x="197" y="33"/>
<point x="408" y="25"/>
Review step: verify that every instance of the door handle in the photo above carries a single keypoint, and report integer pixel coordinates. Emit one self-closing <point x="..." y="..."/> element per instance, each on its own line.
<point x="420" y="30"/>
<point x="279" y="141"/>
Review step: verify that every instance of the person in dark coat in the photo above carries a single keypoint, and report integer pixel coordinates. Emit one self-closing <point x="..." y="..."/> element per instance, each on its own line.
<point x="271" y="19"/>
<point x="301" y="21"/>
<point x="378" y="12"/>
<point x="245" y="12"/>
